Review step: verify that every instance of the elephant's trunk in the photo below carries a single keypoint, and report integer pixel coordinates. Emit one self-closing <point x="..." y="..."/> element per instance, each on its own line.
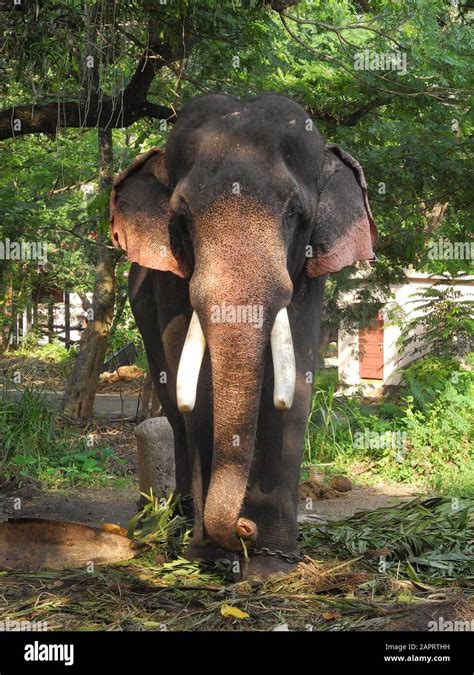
<point x="240" y="284"/>
<point x="237" y="359"/>
<point x="237" y="356"/>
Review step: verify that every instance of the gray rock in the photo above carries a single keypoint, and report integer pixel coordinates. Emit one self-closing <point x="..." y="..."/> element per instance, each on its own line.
<point x="156" y="467"/>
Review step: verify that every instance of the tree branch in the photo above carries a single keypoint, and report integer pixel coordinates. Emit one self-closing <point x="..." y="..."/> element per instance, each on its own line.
<point x="339" y="29"/>
<point x="100" y="111"/>
<point x="351" y="118"/>
<point x="49" y="118"/>
<point x="428" y="91"/>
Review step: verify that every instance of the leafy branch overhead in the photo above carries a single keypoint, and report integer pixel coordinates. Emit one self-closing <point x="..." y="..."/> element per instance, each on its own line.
<point x="54" y="76"/>
<point x="409" y="126"/>
<point x="105" y="103"/>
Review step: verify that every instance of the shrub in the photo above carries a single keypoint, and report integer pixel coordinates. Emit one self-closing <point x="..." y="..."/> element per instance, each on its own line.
<point x="443" y="324"/>
<point x="52" y="352"/>
<point x="126" y="331"/>
<point x="432" y="428"/>
<point x="33" y="445"/>
<point x="441" y="437"/>
<point x="424" y="380"/>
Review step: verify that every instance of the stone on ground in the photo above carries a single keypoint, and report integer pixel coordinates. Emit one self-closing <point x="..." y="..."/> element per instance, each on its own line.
<point x="156" y="467"/>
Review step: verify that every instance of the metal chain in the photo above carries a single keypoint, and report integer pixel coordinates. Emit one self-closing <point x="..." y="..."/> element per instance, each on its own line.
<point x="289" y="557"/>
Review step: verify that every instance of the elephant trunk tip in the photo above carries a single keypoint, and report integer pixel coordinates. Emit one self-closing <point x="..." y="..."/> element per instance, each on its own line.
<point x="246" y="529"/>
<point x="229" y="538"/>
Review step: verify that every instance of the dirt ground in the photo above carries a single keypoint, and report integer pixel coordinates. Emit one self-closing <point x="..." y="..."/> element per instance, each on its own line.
<point x="326" y="594"/>
<point x="52" y="376"/>
<point x="97" y="506"/>
<point x="109" y="505"/>
<point x="360" y="498"/>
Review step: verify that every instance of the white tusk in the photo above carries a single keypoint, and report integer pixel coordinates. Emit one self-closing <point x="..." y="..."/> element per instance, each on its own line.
<point x="284" y="366"/>
<point x="190" y="365"/>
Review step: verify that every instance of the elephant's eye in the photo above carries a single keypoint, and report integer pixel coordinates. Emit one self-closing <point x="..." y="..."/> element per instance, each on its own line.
<point x="182" y="221"/>
<point x="183" y="217"/>
<point x="293" y="213"/>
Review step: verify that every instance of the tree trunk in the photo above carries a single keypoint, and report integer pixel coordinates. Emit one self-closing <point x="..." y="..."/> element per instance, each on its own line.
<point x="6" y="307"/>
<point x="67" y="319"/>
<point x="82" y="386"/>
<point x="29" y="317"/>
<point x="50" y="320"/>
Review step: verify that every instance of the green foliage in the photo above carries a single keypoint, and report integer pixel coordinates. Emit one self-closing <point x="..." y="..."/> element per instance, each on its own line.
<point x="426" y="438"/>
<point x="30" y="212"/>
<point x="425" y="541"/>
<point x="34" y="445"/>
<point x="399" y="126"/>
<point x="124" y="332"/>
<point x="52" y="352"/>
<point x="426" y="378"/>
<point x="329" y="425"/>
<point x="454" y="480"/>
<point x="441" y="439"/>
<point x="441" y="324"/>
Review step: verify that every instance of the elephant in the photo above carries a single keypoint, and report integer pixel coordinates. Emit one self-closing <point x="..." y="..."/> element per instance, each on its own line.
<point x="231" y="230"/>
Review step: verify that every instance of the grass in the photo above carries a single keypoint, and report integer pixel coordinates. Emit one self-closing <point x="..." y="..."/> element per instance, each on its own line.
<point x="34" y="444"/>
<point x="340" y="585"/>
<point x="455" y="483"/>
<point x="50" y="364"/>
<point x="425" y="437"/>
<point x="52" y="352"/>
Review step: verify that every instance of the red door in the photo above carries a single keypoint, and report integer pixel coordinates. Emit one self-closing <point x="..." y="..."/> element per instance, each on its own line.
<point x="371" y="351"/>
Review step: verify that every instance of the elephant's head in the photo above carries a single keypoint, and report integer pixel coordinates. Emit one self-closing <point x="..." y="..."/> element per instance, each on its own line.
<point x="245" y="199"/>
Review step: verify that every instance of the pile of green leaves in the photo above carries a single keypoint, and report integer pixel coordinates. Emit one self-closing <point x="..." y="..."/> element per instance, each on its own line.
<point x="34" y="445"/>
<point x="158" y="525"/>
<point x="430" y="541"/>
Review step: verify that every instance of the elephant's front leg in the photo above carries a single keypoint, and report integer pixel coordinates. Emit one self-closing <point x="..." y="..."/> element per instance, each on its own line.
<point x="160" y="305"/>
<point x="272" y="497"/>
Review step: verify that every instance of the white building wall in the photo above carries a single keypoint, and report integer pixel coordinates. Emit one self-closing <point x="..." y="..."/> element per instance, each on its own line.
<point x="348" y="343"/>
<point x="348" y="357"/>
<point x="77" y="313"/>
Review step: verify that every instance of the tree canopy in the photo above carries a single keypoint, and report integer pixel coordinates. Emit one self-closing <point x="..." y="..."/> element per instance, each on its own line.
<point x="389" y="80"/>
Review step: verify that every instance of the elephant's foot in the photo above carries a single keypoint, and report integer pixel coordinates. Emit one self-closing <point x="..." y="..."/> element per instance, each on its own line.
<point x="233" y="565"/>
<point x="260" y="567"/>
<point x="227" y="562"/>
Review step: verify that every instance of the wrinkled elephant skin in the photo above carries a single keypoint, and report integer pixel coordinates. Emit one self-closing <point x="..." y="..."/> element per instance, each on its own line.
<point x="231" y="230"/>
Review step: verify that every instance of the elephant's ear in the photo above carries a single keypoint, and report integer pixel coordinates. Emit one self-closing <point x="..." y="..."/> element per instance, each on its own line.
<point x="140" y="215"/>
<point x="344" y="227"/>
